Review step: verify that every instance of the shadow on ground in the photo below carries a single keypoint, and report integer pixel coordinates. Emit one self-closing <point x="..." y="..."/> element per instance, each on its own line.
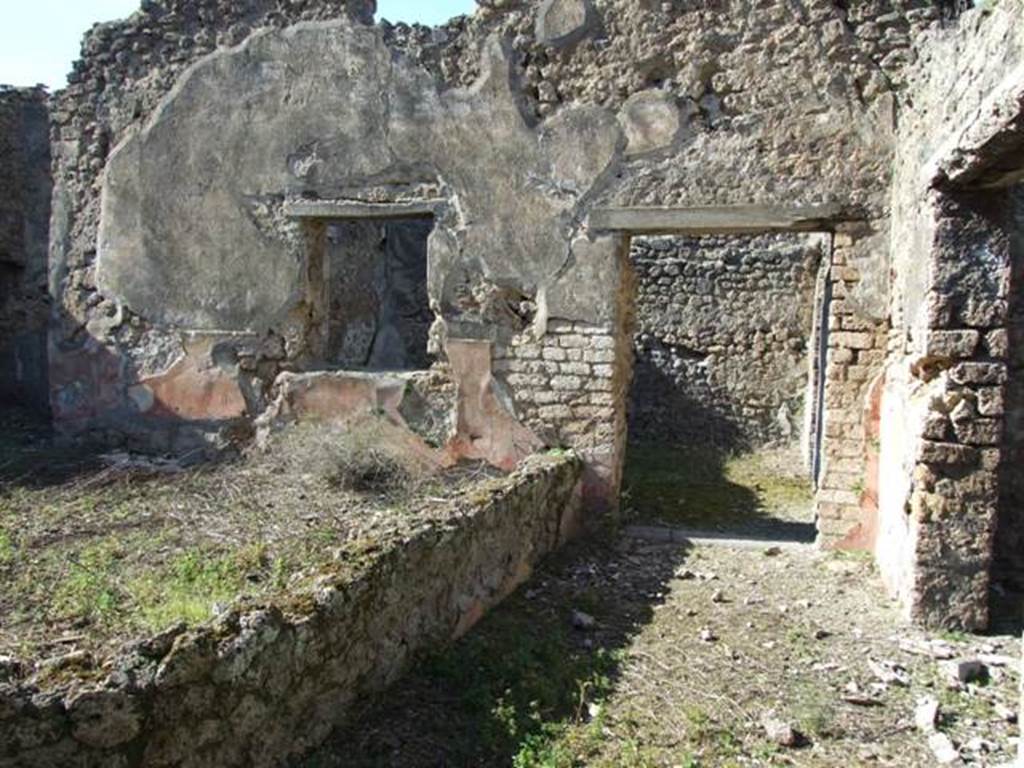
<point x="1006" y="605"/>
<point x="510" y="692"/>
<point x="33" y="456"/>
<point x="762" y="496"/>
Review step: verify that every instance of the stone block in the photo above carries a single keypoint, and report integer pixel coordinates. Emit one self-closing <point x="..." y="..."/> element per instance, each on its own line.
<point x="555" y="412"/>
<point x="834" y="498"/>
<point x="572" y="340"/>
<point x="991" y="401"/>
<point x="858" y="373"/>
<point x="982" y="313"/>
<point x="566" y="383"/>
<point x="851" y="340"/>
<point x="931" y="452"/>
<point x="564" y="22"/>
<point x="997" y="343"/>
<point x="951" y="344"/>
<point x="528" y="352"/>
<point x="979" y="432"/>
<point x="651" y="121"/>
<point x="838" y="355"/>
<point x="978" y="373"/>
<point x="829" y="510"/>
<point x="834" y="527"/>
<point x="599" y="356"/>
<point x="936" y="427"/>
<point x="576" y="369"/>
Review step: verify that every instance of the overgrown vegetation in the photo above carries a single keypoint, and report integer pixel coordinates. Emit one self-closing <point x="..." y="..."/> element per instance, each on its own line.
<point x="93" y="550"/>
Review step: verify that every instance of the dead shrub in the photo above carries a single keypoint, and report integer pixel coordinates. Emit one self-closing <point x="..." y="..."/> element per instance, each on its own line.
<point x="369" y="456"/>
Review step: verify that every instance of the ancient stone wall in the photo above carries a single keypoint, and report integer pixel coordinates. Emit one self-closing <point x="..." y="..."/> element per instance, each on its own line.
<point x="855" y="358"/>
<point x="25" y="190"/>
<point x="749" y="80"/>
<point x="261" y="684"/>
<point x="943" y="404"/>
<point x="724" y="330"/>
<point x="187" y="283"/>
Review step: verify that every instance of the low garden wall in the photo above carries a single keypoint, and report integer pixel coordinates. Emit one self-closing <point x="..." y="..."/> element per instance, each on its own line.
<point x="263" y="683"/>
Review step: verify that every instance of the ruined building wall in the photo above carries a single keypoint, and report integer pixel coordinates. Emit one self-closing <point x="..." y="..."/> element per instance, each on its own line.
<point x="724" y="327"/>
<point x="856" y="352"/>
<point x="752" y="83"/>
<point x="188" y="288"/>
<point x="942" y="411"/>
<point x="187" y="269"/>
<point x="25" y="189"/>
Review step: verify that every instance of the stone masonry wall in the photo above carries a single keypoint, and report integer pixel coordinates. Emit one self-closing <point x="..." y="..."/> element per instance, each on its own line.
<point x="25" y="190"/>
<point x="749" y="79"/>
<point x="956" y="493"/>
<point x="856" y="352"/>
<point x="724" y="329"/>
<point x="261" y="684"/>
<point x="947" y="368"/>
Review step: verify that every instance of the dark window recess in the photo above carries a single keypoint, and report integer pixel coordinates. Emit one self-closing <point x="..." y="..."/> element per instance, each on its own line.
<point x="379" y="315"/>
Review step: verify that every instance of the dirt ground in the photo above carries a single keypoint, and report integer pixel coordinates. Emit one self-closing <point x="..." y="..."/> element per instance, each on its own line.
<point x="626" y="653"/>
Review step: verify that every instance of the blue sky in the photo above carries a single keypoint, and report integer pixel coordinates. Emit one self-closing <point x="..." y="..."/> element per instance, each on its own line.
<point x="40" y="38"/>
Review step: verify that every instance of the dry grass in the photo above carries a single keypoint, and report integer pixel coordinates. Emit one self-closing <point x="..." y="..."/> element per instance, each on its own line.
<point x="95" y="555"/>
<point x="365" y="457"/>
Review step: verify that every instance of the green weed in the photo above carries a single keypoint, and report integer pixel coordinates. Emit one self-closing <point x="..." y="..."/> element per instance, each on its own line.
<point x="7" y="548"/>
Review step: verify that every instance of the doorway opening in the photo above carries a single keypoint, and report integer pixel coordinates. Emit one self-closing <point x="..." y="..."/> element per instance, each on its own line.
<point x="376" y="306"/>
<point x="723" y="409"/>
<point x="1007" y="585"/>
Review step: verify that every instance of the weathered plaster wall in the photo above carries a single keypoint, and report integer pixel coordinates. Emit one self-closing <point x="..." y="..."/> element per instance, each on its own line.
<point x="264" y="683"/>
<point x="952" y="257"/>
<point x="100" y="350"/>
<point x="25" y="190"/>
<point x="724" y="330"/>
<point x="774" y="101"/>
